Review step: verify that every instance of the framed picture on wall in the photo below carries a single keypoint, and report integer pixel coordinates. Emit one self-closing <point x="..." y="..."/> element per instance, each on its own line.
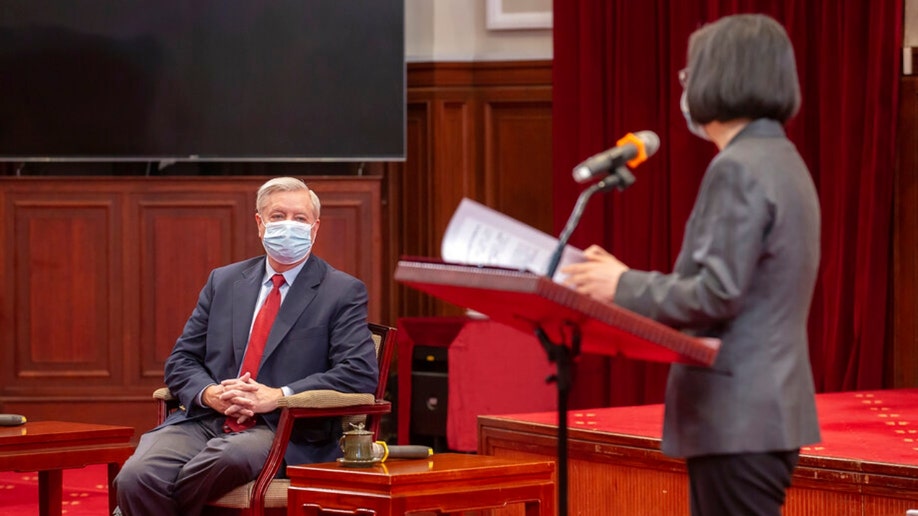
<point x="518" y="14"/>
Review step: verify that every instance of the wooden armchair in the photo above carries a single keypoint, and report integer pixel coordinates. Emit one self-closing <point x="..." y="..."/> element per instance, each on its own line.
<point x="267" y="494"/>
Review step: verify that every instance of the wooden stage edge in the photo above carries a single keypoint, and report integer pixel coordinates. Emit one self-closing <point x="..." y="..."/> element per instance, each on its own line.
<point x="615" y="472"/>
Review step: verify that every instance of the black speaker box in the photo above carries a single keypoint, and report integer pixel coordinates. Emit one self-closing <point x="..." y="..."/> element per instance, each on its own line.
<point x="429" y="392"/>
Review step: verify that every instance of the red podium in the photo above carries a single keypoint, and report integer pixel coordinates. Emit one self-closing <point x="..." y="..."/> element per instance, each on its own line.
<point x="567" y="323"/>
<point x="528" y="302"/>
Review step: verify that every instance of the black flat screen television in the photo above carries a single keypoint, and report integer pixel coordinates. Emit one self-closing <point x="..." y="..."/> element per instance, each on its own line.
<point x="223" y="80"/>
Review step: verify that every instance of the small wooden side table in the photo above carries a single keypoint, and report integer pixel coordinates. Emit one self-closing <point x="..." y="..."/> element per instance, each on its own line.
<point x="444" y="483"/>
<point x="52" y="446"/>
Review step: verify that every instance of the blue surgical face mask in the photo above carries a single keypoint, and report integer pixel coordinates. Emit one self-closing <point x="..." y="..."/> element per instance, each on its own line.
<point x="287" y="241"/>
<point x="693" y="126"/>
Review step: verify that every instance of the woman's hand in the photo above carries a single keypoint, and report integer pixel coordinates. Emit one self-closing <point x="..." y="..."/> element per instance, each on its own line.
<point x="598" y="276"/>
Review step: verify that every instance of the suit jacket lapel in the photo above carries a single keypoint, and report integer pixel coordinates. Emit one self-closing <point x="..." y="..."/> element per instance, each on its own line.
<point x="301" y="293"/>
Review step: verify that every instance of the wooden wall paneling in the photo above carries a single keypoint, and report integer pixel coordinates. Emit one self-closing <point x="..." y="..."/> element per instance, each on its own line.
<point x="518" y="156"/>
<point x="411" y="196"/>
<point x="350" y="233"/>
<point x="904" y="360"/>
<point x="61" y="325"/>
<point x="483" y="132"/>
<point x="179" y="242"/>
<point x="456" y="170"/>
<point x="64" y="268"/>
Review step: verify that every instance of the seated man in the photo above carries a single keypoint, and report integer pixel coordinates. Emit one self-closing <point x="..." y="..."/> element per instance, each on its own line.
<point x="263" y="328"/>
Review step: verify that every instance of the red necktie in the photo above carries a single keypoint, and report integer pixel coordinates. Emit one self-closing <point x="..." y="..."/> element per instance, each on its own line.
<point x="256" y="348"/>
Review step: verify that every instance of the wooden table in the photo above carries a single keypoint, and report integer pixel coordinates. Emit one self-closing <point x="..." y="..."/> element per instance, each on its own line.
<point x="52" y="446"/>
<point x="444" y="483"/>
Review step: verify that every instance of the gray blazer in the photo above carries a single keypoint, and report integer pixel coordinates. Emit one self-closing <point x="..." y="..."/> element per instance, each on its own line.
<point x="320" y="340"/>
<point x="745" y="274"/>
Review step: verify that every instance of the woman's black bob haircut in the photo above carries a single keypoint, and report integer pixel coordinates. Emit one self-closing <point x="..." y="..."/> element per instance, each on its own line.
<point x="741" y="66"/>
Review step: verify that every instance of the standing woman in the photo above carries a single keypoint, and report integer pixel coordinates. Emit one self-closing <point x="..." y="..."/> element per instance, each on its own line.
<point x="745" y="275"/>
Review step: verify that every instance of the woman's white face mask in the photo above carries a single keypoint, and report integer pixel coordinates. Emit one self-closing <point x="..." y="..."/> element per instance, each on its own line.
<point x="693" y="126"/>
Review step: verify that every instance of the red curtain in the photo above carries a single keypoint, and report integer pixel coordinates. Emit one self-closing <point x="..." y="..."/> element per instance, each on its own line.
<point x="615" y="67"/>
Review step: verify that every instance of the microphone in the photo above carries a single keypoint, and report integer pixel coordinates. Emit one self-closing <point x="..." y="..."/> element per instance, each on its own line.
<point x="11" y="420"/>
<point x="632" y="149"/>
<point x="382" y="451"/>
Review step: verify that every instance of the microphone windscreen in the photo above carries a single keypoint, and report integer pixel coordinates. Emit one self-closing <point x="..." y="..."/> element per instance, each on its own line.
<point x="408" y="451"/>
<point x="11" y="420"/>
<point x="651" y="141"/>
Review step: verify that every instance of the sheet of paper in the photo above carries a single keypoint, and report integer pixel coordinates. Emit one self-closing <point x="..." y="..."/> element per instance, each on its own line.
<point x="478" y="235"/>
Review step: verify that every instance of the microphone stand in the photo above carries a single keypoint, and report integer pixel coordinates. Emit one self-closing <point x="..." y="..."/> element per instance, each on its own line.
<point x="563" y="353"/>
<point x="622" y="178"/>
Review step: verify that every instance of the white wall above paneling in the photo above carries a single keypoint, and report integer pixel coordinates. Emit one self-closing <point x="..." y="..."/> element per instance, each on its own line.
<point x="456" y="30"/>
<point x="911" y="23"/>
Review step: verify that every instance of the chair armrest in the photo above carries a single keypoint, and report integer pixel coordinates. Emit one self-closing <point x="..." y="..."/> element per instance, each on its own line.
<point x="324" y="398"/>
<point x="163" y="393"/>
<point x="310" y="404"/>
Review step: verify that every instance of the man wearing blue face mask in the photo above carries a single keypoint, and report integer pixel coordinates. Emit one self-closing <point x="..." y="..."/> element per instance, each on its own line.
<point x="263" y="328"/>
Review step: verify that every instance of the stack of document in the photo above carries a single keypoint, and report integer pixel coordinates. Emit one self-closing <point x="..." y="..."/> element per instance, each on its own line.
<point x="478" y="235"/>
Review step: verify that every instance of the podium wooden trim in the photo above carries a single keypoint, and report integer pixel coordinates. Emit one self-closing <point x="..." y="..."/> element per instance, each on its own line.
<point x="526" y="301"/>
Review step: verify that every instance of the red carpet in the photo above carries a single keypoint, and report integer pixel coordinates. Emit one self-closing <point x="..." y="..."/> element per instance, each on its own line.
<point x="85" y="492"/>
<point x="868" y="426"/>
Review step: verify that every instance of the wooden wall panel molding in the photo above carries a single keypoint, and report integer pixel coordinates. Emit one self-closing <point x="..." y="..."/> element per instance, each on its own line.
<point x="455" y="174"/>
<point x="475" y="129"/>
<point x="98" y="276"/>
<point x="350" y="234"/>
<point x="66" y="264"/>
<point x="478" y="74"/>
<point x="348" y="241"/>
<point x="519" y="132"/>
<point x="200" y="236"/>
<point x="411" y="201"/>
